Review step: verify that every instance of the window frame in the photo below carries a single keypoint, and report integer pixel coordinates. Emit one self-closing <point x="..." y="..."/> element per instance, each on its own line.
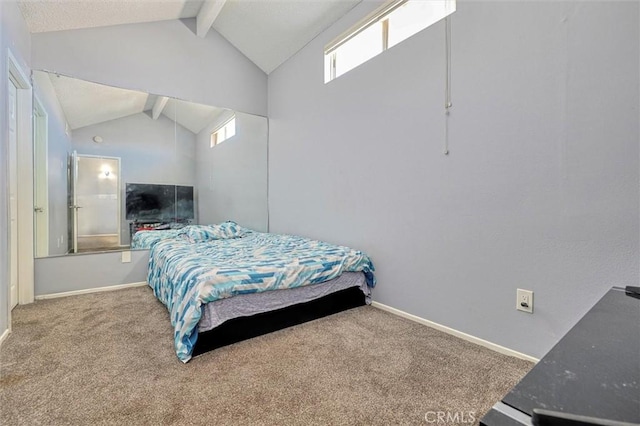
<point x="213" y="141"/>
<point x="381" y="15"/>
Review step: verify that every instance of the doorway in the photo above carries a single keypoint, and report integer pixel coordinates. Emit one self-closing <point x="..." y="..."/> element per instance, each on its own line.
<point x="96" y="203"/>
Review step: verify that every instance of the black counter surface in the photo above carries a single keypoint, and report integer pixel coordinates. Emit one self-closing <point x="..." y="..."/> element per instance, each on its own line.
<point x="594" y="370"/>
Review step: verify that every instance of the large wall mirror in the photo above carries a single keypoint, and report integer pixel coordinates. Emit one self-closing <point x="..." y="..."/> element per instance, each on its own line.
<point x="110" y="161"/>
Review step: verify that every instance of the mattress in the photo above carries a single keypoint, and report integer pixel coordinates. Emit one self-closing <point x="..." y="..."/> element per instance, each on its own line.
<point x="244" y="305"/>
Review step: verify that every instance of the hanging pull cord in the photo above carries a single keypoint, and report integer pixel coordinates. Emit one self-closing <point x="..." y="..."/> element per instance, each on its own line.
<point x="447" y="89"/>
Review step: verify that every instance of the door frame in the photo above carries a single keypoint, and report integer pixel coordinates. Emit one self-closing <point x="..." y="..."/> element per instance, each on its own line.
<point x="12" y="187"/>
<point x="40" y="128"/>
<point x="118" y="193"/>
<point x="26" y="288"/>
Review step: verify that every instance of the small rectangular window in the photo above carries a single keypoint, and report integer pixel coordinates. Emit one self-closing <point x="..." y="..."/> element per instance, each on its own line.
<point x="224" y="132"/>
<point x="392" y="23"/>
<point x="360" y="49"/>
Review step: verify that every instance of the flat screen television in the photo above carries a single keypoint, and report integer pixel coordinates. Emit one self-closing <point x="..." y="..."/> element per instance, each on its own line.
<point x="184" y="203"/>
<point x="161" y="203"/>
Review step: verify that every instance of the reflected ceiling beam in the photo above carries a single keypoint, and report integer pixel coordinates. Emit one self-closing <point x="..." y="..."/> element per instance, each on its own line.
<point x="161" y="102"/>
<point x="208" y="13"/>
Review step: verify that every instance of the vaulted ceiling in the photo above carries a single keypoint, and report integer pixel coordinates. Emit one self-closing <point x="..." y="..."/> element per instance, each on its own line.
<point x="84" y="104"/>
<point x="268" y="32"/>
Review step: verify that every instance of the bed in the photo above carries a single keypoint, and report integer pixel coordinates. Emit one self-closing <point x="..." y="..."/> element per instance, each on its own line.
<point x="144" y="239"/>
<point x="212" y="282"/>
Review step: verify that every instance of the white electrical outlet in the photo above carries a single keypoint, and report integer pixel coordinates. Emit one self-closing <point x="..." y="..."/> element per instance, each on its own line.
<point x="126" y="256"/>
<point x="524" y="300"/>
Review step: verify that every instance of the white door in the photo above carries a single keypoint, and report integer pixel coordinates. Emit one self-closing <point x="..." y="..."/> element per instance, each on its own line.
<point x="13" y="194"/>
<point x="41" y="192"/>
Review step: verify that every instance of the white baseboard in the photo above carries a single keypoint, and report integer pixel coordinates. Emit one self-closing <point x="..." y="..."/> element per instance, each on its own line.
<point x="89" y="290"/>
<point x="4" y="336"/>
<point x="453" y="332"/>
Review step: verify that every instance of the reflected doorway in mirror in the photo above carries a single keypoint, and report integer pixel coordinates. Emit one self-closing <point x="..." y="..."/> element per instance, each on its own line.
<point x="96" y="203"/>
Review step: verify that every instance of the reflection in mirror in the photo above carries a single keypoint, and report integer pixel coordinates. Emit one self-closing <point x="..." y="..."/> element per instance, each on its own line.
<point x="112" y="161"/>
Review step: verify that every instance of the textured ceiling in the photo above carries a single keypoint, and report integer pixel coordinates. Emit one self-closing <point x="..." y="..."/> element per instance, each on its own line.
<point x="85" y="104"/>
<point x="268" y="32"/>
<point x="271" y="31"/>
<point x="57" y="15"/>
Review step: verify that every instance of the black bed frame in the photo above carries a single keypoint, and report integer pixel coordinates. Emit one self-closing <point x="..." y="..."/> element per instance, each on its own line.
<point x="238" y="329"/>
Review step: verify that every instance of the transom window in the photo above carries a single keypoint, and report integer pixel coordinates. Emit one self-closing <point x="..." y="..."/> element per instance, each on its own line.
<point x="224" y="132"/>
<point x="392" y="23"/>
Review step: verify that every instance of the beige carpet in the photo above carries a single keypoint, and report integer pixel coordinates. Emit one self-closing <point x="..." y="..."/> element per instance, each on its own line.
<point x="108" y="358"/>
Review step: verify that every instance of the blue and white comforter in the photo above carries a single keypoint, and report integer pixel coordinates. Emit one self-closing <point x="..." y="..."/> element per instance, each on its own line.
<point x="193" y="233"/>
<point x="186" y="275"/>
<point x="145" y="239"/>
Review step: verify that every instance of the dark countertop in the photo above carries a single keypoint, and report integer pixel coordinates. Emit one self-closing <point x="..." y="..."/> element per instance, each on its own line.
<point x="595" y="368"/>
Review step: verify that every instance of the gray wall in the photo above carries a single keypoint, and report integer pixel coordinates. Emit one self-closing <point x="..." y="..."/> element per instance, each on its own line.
<point x="15" y="36"/>
<point x="232" y="176"/>
<point x="540" y="190"/>
<point x="59" y="146"/>
<point x="84" y="271"/>
<point x="151" y="151"/>
<point x="165" y="57"/>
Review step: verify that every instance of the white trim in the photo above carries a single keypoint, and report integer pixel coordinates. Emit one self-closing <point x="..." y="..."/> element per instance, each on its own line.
<point x="4" y="336"/>
<point x="14" y="68"/>
<point x="456" y="333"/>
<point x="90" y="290"/>
<point x="26" y="285"/>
